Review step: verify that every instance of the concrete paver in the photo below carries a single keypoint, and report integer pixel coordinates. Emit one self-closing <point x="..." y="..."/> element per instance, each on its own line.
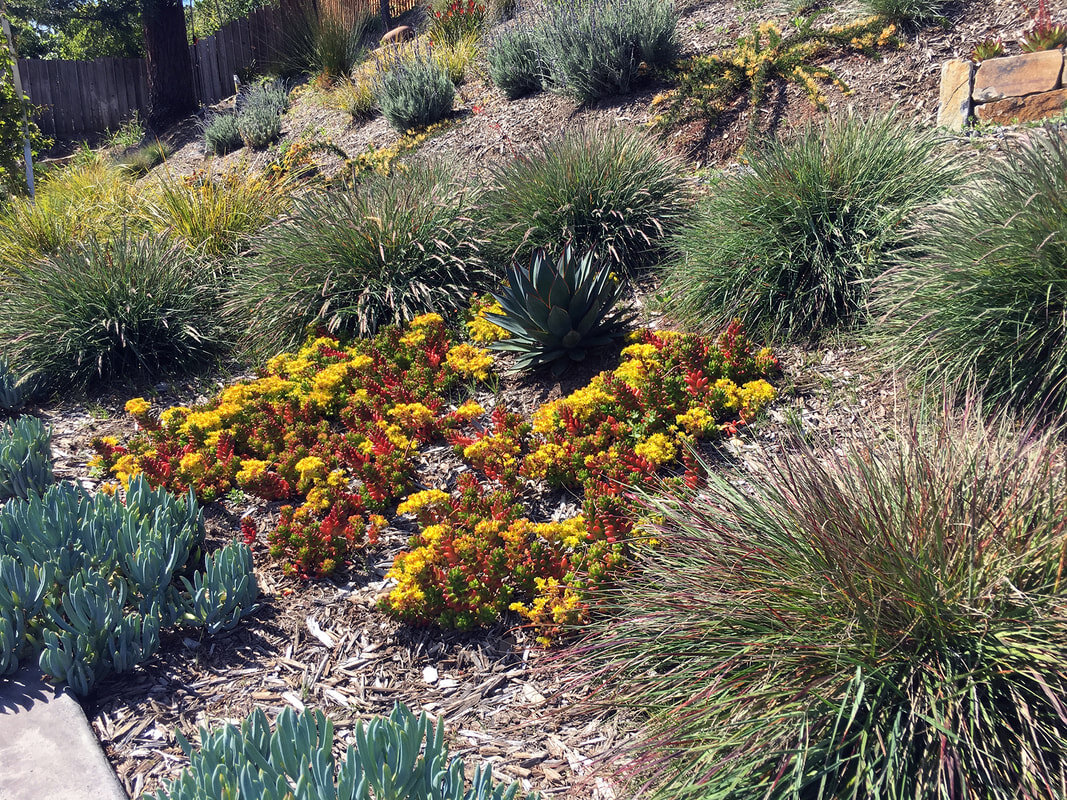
<point x="48" y="750"/>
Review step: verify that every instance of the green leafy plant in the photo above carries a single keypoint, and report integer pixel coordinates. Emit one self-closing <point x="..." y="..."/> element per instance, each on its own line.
<point x="877" y="623"/>
<point x="12" y="390"/>
<point x="596" y="49"/>
<point x="515" y="63"/>
<point x="130" y="306"/>
<point x="1044" y="34"/>
<point x="611" y="190"/>
<point x="558" y="310"/>
<point x="977" y="293"/>
<point x="385" y="251"/>
<point x="709" y="85"/>
<point x="399" y="757"/>
<point x="221" y="134"/>
<point x="986" y="49"/>
<point x="356" y="98"/>
<point x="25" y="458"/>
<point x="129" y="134"/>
<point x="413" y="90"/>
<point x="87" y="583"/>
<point x="12" y="176"/>
<point x="790" y="245"/>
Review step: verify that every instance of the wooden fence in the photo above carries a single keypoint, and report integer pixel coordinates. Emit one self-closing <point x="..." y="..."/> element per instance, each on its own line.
<point x="84" y="97"/>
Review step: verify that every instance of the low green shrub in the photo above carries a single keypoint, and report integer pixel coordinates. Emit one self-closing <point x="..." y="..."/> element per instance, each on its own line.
<point x="87" y="583"/>
<point x="880" y="622"/>
<point x="413" y="90"/>
<point x="515" y="62"/>
<point x="259" y="126"/>
<point x="978" y="293"/>
<point x="399" y="757"/>
<point x="557" y="312"/>
<point x="789" y="245"/>
<point x="609" y="190"/>
<point x="221" y="134"/>
<point x="25" y="458"/>
<point x="595" y="49"/>
<point x="385" y="251"/>
<point x="270" y="94"/>
<point x="128" y="307"/>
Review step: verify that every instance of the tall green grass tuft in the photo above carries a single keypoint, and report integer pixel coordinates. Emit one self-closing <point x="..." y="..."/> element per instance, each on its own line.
<point x="883" y="622"/>
<point x="383" y="252"/>
<point x="789" y="245"/>
<point x="89" y="197"/>
<point x="980" y="292"/>
<point x="127" y="307"/>
<point x="609" y="190"/>
<point x="216" y="215"/>
<point x="515" y="63"/>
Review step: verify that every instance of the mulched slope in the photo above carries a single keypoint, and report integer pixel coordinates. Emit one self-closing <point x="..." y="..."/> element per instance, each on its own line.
<point x="323" y="644"/>
<point x="487" y="127"/>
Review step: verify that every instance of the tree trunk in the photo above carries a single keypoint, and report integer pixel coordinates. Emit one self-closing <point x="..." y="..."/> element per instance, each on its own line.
<point x="170" y="70"/>
<point x="387" y="19"/>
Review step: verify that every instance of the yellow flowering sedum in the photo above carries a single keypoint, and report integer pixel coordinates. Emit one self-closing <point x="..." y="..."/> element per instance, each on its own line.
<point x="470" y="361"/>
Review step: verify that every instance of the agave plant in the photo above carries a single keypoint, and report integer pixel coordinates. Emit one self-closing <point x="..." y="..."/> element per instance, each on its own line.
<point x="558" y="310"/>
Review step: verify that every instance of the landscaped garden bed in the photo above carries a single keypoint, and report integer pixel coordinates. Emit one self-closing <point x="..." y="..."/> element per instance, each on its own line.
<point x="641" y="478"/>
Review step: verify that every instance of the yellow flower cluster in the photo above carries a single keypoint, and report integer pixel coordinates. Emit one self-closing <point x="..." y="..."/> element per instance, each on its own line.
<point x="553" y="605"/>
<point x="659" y="449"/>
<point x="483" y="330"/>
<point x="469" y="411"/>
<point x="137" y="407"/>
<point x="429" y="499"/>
<point x="470" y="361"/>
<point x="411" y="416"/>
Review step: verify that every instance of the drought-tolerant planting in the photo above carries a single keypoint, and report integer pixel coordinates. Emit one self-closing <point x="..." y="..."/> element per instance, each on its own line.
<point x="609" y="190"/>
<point x="978" y="296"/>
<point x="402" y="757"/>
<point x="385" y="251"/>
<point x="879" y="622"/>
<point x="791" y="245"/>
<point x="470" y="360"/>
<point x="87" y="583"/>
<point x="132" y="306"/>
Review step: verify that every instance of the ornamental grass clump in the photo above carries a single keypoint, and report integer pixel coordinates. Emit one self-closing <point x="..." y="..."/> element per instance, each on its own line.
<point x="215" y="215"/>
<point x="597" y="49"/>
<point x="413" y="89"/>
<point x="350" y="261"/>
<point x="790" y="245"/>
<point x="606" y="190"/>
<point x="90" y="197"/>
<point x="978" y="292"/>
<point x="882" y="622"/>
<point x="129" y="307"/>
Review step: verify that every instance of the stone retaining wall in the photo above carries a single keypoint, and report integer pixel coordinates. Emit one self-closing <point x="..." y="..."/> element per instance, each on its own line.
<point x="1023" y="88"/>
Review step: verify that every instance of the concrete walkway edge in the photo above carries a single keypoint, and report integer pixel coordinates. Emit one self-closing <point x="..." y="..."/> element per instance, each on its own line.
<point x="48" y="750"/>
